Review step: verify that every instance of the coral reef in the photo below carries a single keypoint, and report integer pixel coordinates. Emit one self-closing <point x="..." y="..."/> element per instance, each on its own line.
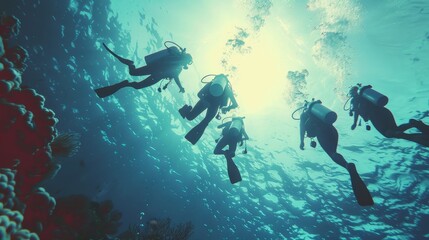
<point x="29" y="146"/>
<point x="77" y="217"/>
<point x="11" y="219"/>
<point x="159" y="229"/>
<point x="65" y="145"/>
<point x="27" y="129"/>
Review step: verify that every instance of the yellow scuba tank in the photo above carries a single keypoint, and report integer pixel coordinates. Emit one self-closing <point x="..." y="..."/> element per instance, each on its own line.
<point x="236" y="126"/>
<point x="218" y="85"/>
<point x="154" y="57"/>
<point x="321" y="112"/>
<point x="373" y="96"/>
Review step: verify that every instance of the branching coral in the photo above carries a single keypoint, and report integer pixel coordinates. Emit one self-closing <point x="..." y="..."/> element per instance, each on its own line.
<point x="65" y="145"/>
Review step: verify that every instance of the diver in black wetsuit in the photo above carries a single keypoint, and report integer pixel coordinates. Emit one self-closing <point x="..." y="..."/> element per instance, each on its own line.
<point x="327" y="136"/>
<point x="213" y="96"/>
<point x="165" y="64"/>
<point x="233" y="132"/>
<point x="369" y="104"/>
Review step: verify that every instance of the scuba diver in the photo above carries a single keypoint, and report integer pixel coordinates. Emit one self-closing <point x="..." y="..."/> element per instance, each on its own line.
<point x="316" y="120"/>
<point x="215" y="95"/>
<point x="369" y="104"/>
<point x="233" y="132"/>
<point x="165" y="64"/>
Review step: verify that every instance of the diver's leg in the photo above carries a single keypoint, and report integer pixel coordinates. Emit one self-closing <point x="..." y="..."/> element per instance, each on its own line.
<point x="147" y="82"/>
<point x="339" y="159"/>
<point x="404" y="127"/>
<point x="420" y="126"/>
<point x="195" y="134"/>
<point x="420" y="138"/>
<point x="220" y="145"/>
<point x="145" y="70"/>
<point x="328" y="139"/>
<point x="197" y="110"/>
<point x="382" y="119"/>
<point x="210" y="114"/>
<point x="232" y="147"/>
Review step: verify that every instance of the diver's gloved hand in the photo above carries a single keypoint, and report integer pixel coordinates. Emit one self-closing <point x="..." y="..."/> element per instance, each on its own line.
<point x="301" y="146"/>
<point x="182" y="90"/>
<point x="353" y="126"/>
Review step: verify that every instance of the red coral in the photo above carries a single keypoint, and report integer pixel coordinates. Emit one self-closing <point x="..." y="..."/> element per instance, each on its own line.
<point x="27" y="130"/>
<point x="77" y="217"/>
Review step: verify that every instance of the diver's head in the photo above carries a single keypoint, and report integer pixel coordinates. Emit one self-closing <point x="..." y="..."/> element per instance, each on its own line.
<point x="186" y="60"/>
<point x="353" y="91"/>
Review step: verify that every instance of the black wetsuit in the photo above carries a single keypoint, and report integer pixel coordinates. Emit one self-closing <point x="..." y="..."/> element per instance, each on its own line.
<point x="229" y="139"/>
<point x="212" y="104"/>
<point x="167" y="67"/>
<point x="383" y="120"/>
<point x="326" y="134"/>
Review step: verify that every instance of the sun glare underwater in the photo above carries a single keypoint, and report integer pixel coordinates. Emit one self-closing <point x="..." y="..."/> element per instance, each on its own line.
<point x="123" y="136"/>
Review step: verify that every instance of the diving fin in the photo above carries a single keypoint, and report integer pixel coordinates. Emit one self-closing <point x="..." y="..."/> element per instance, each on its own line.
<point x="184" y="111"/>
<point x="121" y="59"/>
<point x="109" y="90"/>
<point x="195" y="134"/>
<point x="233" y="172"/>
<point x="362" y="194"/>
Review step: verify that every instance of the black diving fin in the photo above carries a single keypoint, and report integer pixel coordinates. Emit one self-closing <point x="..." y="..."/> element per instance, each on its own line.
<point x="195" y="134"/>
<point x="362" y="194"/>
<point x="121" y="59"/>
<point x="233" y="172"/>
<point x="109" y="90"/>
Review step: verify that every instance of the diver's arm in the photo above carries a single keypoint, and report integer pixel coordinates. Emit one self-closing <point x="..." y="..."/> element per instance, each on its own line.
<point x="245" y="136"/>
<point x="177" y="81"/>
<point x="354" y="110"/>
<point x="355" y="118"/>
<point x="234" y="103"/>
<point x="302" y="131"/>
<point x="356" y="113"/>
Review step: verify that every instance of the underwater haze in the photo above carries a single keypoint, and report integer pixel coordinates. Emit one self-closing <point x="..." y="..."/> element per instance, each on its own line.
<point x="277" y="53"/>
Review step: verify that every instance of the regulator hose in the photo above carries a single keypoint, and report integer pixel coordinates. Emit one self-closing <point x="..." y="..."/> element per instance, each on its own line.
<point x="293" y="114"/>
<point x="208" y="75"/>
<point x="165" y="45"/>
<point x="223" y="120"/>
<point x="344" y="107"/>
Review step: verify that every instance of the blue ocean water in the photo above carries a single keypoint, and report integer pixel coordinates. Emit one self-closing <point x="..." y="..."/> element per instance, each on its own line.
<point x="277" y="53"/>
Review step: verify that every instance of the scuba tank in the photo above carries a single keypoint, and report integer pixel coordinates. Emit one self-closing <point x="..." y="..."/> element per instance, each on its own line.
<point x="321" y="112"/>
<point x="154" y="57"/>
<point x="168" y="51"/>
<point x="236" y="126"/>
<point x="218" y="85"/>
<point x="373" y="96"/>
